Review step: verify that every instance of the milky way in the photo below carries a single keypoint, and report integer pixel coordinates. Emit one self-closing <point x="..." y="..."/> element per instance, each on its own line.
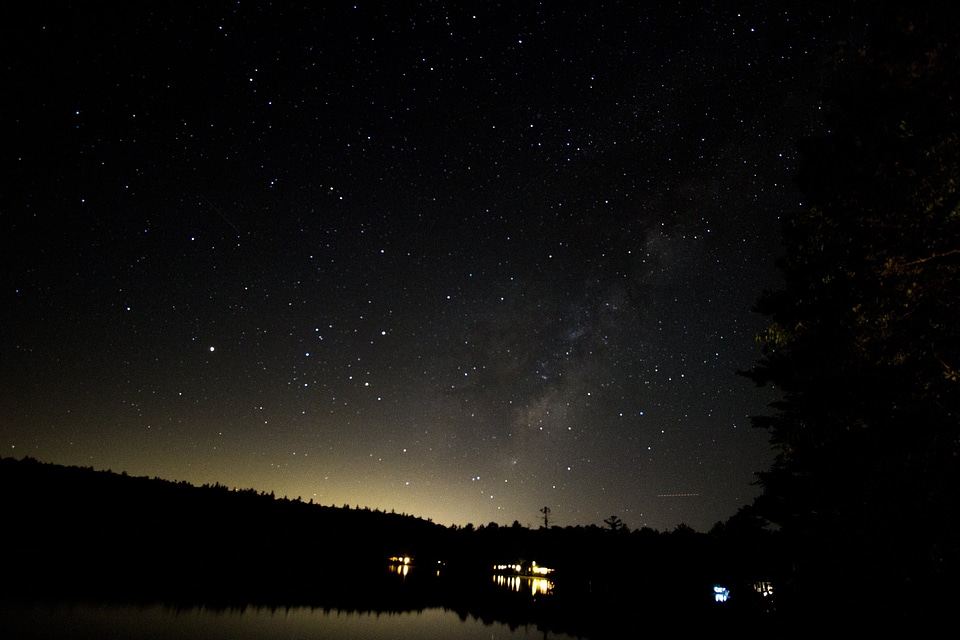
<point x="460" y="262"/>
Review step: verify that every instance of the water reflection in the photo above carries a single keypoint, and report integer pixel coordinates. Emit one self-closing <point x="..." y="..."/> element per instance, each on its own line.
<point x="111" y="621"/>
<point x="400" y="568"/>
<point x="529" y="584"/>
<point x="523" y="577"/>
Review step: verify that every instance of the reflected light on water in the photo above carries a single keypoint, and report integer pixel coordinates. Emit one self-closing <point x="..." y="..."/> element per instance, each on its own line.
<point x="401" y="565"/>
<point x="520" y="584"/>
<point x="114" y="622"/>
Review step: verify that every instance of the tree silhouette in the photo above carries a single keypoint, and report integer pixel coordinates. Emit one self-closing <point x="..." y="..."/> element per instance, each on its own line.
<point x="864" y="340"/>
<point x="614" y="523"/>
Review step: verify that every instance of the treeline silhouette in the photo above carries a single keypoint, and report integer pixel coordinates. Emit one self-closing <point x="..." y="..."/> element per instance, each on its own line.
<point x="78" y="532"/>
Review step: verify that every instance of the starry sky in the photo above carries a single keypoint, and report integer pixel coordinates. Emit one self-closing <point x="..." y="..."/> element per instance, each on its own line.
<point x="459" y="260"/>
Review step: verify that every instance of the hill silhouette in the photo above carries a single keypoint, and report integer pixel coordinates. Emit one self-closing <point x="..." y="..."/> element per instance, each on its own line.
<point x="97" y="532"/>
<point x="77" y="532"/>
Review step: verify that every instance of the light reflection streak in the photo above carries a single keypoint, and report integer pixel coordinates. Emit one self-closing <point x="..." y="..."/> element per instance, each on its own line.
<point x="536" y="586"/>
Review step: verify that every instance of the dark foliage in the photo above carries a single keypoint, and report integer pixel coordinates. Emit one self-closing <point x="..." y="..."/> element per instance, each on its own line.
<point x="864" y="340"/>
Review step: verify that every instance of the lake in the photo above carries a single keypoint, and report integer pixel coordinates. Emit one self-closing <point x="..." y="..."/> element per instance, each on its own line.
<point x="115" y="621"/>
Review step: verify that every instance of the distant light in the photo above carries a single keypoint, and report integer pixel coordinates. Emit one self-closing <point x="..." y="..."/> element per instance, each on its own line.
<point x="212" y="349"/>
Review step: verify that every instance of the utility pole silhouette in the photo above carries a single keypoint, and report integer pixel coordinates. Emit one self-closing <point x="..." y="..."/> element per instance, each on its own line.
<point x="546" y="517"/>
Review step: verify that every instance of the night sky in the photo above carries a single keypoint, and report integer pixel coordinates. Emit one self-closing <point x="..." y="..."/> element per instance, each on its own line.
<point x="459" y="260"/>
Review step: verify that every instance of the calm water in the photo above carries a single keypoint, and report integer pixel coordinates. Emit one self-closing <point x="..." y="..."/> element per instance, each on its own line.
<point x="157" y="621"/>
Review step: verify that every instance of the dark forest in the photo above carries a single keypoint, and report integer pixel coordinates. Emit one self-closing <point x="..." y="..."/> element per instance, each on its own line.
<point x="75" y="532"/>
